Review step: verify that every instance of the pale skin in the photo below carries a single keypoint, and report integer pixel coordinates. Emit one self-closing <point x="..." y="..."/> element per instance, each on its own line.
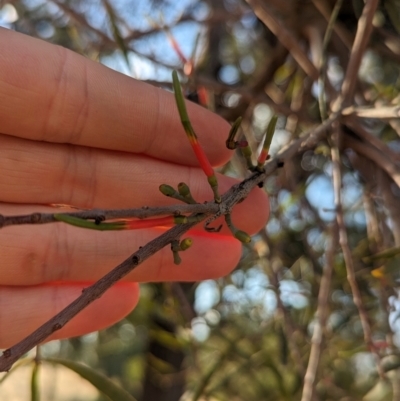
<point x="74" y="132"/>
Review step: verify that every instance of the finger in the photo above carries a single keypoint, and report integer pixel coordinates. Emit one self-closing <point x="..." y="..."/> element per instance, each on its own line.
<point x="33" y="255"/>
<point x="71" y="99"/>
<point x="37" y="172"/>
<point x="24" y="309"/>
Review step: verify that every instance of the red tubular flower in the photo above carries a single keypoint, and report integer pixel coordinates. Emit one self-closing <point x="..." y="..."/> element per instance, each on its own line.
<point x="198" y="150"/>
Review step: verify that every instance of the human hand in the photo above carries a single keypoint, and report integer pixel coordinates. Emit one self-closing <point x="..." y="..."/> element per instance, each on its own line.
<point x="74" y="132"/>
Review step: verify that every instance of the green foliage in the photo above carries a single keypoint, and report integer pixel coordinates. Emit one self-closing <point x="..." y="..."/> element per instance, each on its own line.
<point x="101" y="382"/>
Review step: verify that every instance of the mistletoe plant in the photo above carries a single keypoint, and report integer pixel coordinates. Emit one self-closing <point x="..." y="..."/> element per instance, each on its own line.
<point x="181" y="216"/>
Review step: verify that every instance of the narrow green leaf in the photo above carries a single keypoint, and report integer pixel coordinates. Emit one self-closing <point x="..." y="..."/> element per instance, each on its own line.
<point x="77" y="222"/>
<point x="270" y="132"/>
<point x="180" y="103"/>
<point x="116" y="31"/>
<point x="386" y="254"/>
<point x="35" y="393"/>
<point x="98" y="380"/>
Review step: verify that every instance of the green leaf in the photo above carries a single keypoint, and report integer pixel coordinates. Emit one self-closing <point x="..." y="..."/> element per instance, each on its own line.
<point x="98" y="380"/>
<point x="77" y="222"/>
<point x="116" y="32"/>
<point x="35" y="393"/>
<point x="180" y="103"/>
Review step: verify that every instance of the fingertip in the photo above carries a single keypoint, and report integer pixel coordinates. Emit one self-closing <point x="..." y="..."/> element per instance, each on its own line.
<point x="24" y="309"/>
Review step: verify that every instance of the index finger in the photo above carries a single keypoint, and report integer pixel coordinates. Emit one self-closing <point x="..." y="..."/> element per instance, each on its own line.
<point x="52" y="94"/>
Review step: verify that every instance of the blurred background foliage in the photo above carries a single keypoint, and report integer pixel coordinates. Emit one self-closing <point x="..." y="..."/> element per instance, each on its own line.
<point x="254" y="334"/>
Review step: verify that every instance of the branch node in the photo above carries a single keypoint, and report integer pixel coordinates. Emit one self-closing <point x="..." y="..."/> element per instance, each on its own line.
<point x="99" y="219"/>
<point x="175" y="248"/>
<point x="7" y="353"/>
<point x="57" y="326"/>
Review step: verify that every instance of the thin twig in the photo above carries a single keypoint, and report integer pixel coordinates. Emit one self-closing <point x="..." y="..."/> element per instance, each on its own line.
<point x="261" y="9"/>
<point x="369" y="151"/>
<point x="344" y="244"/>
<point x="356" y="125"/>
<point x="109" y="214"/>
<point x="364" y="29"/>
<point x="321" y="318"/>
<point x="380" y="112"/>
<point x="324" y="8"/>
<point x="322" y="71"/>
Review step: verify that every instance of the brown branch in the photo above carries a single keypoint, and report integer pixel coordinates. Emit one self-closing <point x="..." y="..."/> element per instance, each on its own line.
<point x="344" y="244"/>
<point x="321" y="318"/>
<point x="108" y="214"/>
<point x="324" y="8"/>
<point x="106" y="41"/>
<point x="356" y="125"/>
<point x="391" y="204"/>
<point x="364" y="29"/>
<point x="369" y="151"/>
<point x="235" y="195"/>
<point x="89" y="295"/>
<point x="288" y="323"/>
<point x="385" y="112"/>
<point x="262" y="10"/>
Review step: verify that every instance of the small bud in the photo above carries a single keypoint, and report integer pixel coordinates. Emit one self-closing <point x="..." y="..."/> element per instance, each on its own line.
<point x="212" y="180"/>
<point x="167" y="190"/>
<point x="185" y="244"/>
<point x="238" y="234"/>
<point x="180" y="219"/>
<point x="183" y="189"/>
